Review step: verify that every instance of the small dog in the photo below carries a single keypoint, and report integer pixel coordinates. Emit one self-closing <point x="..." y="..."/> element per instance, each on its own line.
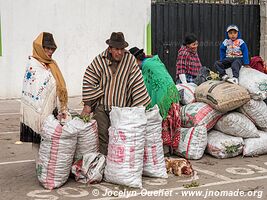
<point x="179" y="166"/>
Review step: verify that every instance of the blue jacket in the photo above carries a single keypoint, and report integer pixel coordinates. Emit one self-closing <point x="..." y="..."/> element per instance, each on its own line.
<point x="234" y="49"/>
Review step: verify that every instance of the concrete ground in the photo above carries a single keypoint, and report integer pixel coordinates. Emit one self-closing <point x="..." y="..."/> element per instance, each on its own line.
<point x="236" y="178"/>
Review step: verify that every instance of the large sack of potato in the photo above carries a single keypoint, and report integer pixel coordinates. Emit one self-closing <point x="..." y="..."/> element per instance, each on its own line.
<point x="87" y="137"/>
<point x="255" y="81"/>
<point x="124" y="162"/>
<point x="237" y="124"/>
<point x="193" y="142"/>
<point x="154" y="163"/>
<point x="256" y="111"/>
<point x="56" y="152"/>
<point x="256" y="146"/>
<point x="199" y="113"/>
<point x="221" y="145"/>
<point x="221" y="95"/>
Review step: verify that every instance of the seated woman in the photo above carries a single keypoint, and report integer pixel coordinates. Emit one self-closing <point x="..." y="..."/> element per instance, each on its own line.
<point x="163" y="92"/>
<point x="188" y="63"/>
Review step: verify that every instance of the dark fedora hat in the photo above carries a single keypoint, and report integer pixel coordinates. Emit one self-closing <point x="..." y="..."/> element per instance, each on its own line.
<point x="117" y="40"/>
<point x="48" y="40"/>
<point x="136" y="51"/>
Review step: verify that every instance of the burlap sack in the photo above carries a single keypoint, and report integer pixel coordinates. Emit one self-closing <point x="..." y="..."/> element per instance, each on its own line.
<point x="222" y="96"/>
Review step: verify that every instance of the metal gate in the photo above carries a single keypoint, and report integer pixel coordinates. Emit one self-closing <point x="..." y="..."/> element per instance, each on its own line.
<point x="171" y="21"/>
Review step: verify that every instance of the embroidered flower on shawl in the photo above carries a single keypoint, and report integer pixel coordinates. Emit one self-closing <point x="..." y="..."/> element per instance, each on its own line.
<point x="29" y="76"/>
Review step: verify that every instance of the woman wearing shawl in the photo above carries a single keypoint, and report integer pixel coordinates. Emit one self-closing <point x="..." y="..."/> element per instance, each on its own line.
<point x="43" y="85"/>
<point x="163" y="92"/>
<point x="188" y="63"/>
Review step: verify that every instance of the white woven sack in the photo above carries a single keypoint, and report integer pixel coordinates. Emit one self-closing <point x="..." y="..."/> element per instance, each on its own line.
<point x="154" y="163"/>
<point x="256" y="146"/>
<point x="193" y="142"/>
<point x="90" y="168"/>
<point x="237" y="124"/>
<point x="221" y="145"/>
<point x="87" y="137"/>
<point x="255" y="81"/>
<point x="124" y="163"/>
<point x="199" y="113"/>
<point x="188" y="91"/>
<point x="56" y="152"/>
<point x="256" y="111"/>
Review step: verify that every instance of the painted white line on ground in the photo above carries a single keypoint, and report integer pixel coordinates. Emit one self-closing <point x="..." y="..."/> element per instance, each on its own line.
<point x="5" y="114"/>
<point x="212" y="174"/>
<point x="201" y="186"/>
<point x="16" y="162"/>
<point x="8" y="132"/>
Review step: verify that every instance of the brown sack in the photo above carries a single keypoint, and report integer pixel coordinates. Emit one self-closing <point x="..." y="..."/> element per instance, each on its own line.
<point x="222" y="96"/>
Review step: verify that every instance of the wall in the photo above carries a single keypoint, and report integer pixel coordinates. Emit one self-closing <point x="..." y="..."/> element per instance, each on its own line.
<point x="80" y="29"/>
<point x="263" y="40"/>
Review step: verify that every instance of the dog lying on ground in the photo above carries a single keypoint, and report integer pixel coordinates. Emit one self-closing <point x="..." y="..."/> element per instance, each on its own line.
<point x="179" y="166"/>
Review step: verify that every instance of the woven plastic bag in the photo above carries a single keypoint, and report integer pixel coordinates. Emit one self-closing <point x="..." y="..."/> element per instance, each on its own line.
<point x="154" y="163"/>
<point x="254" y="81"/>
<point x="90" y="168"/>
<point x="221" y="95"/>
<point x="87" y="137"/>
<point x="199" y="113"/>
<point x="221" y="145"/>
<point x="188" y="92"/>
<point x="193" y="142"/>
<point x="256" y="146"/>
<point x="237" y="124"/>
<point x="256" y="111"/>
<point x="124" y="163"/>
<point x="56" y="152"/>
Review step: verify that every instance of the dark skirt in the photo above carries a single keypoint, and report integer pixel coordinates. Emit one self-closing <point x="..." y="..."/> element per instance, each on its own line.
<point x="28" y="135"/>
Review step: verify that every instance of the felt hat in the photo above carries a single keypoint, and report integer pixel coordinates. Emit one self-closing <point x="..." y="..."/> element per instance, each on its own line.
<point x="48" y="41"/>
<point x="117" y="40"/>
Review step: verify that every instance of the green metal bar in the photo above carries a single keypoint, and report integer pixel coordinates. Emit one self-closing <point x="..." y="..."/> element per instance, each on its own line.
<point x="0" y="39"/>
<point x="148" y="39"/>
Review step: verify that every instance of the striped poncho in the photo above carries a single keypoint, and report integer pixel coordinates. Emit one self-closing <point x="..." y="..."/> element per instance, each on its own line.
<point x="124" y="88"/>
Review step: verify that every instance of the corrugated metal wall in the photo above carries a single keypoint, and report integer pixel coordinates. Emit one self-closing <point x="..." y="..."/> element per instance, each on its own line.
<point x="171" y="22"/>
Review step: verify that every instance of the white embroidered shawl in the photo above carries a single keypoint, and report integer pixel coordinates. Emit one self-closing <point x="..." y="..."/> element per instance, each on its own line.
<point x="38" y="95"/>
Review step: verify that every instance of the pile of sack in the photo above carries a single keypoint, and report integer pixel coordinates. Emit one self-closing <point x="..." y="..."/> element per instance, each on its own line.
<point x="135" y="149"/>
<point x="224" y="119"/>
<point x="70" y="147"/>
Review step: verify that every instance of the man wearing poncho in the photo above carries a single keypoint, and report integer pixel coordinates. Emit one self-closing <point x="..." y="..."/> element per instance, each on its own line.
<point x="112" y="79"/>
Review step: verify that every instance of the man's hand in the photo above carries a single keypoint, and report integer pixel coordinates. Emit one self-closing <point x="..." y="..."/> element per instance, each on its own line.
<point x="247" y="66"/>
<point x="86" y="110"/>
